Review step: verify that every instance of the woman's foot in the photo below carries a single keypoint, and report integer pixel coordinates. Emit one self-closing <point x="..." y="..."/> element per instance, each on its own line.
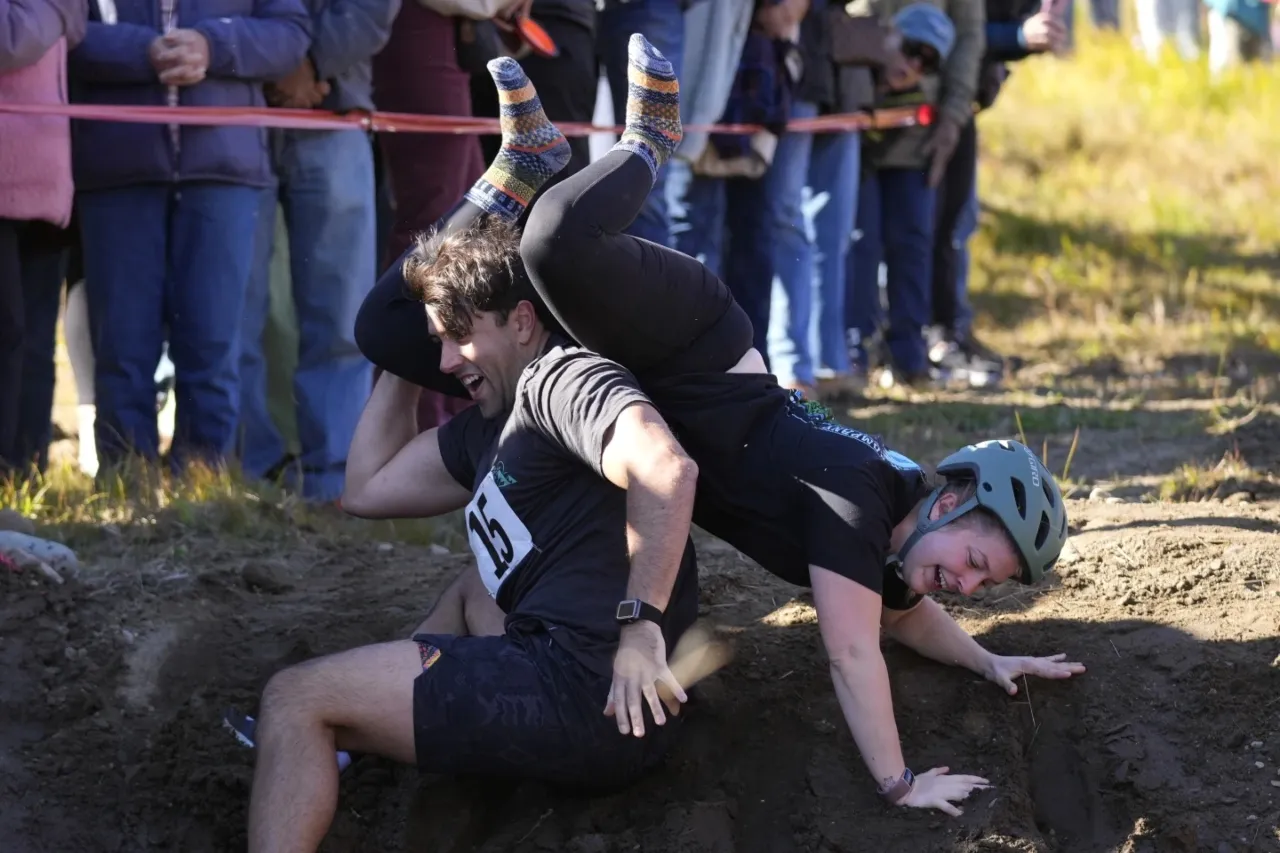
<point x="653" y="105"/>
<point x="533" y="149"/>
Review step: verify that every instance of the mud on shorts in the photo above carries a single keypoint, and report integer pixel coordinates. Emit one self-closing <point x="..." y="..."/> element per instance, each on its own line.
<point x="518" y="705"/>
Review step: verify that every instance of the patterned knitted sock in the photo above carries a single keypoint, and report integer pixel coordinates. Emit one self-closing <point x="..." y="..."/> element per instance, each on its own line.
<point x="532" y="148"/>
<point x="653" y="105"/>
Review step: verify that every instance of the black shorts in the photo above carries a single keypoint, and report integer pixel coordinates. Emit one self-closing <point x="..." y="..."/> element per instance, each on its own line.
<point x="520" y="706"/>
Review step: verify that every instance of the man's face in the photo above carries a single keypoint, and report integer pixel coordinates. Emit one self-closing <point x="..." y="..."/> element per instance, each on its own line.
<point x="488" y="361"/>
<point x="961" y="557"/>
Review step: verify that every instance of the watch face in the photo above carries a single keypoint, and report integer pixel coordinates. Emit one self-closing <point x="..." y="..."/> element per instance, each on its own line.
<point x="628" y="610"/>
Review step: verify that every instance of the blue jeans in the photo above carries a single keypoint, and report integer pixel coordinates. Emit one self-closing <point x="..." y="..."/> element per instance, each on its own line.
<point x="811" y="192"/>
<point x="895" y="224"/>
<point x="723" y="222"/>
<point x="167" y="261"/>
<point x="327" y="190"/>
<point x="662" y="23"/>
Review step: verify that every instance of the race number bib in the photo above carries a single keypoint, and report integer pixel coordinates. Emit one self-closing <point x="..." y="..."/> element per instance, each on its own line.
<point x="498" y="537"/>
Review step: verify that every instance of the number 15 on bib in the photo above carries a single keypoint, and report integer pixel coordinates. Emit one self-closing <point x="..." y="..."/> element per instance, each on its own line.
<point x="498" y="537"/>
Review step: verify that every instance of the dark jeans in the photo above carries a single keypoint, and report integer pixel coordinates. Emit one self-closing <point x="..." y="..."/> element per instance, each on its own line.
<point x="724" y="222"/>
<point x="167" y="261"/>
<point x="33" y="258"/>
<point x="953" y="194"/>
<point x="662" y="23"/>
<point x="895" y="224"/>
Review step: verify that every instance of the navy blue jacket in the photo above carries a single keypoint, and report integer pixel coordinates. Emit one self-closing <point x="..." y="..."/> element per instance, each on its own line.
<point x="345" y="36"/>
<point x="249" y="41"/>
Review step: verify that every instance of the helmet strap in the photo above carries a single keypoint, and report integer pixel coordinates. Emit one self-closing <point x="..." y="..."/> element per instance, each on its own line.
<point x="925" y="525"/>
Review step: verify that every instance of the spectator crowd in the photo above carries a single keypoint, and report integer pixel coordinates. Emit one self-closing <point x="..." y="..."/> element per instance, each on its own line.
<point x="220" y="268"/>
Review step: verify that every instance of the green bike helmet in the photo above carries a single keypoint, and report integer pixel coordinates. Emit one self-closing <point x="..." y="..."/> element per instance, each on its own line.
<point x="1015" y="487"/>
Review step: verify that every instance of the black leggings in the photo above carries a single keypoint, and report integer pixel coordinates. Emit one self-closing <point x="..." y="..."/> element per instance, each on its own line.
<point x="656" y="311"/>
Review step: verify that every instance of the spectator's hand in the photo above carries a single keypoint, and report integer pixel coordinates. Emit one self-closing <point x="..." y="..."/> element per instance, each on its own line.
<point x="299" y="90"/>
<point x="940" y="145"/>
<point x="900" y="73"/>
<point x="180" y="57"/>
<point x="1043" y="32"/>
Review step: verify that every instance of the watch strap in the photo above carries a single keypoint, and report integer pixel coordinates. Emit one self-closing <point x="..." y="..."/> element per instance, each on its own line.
<point x="897" y="792"/>
<point x="634" y="610"/>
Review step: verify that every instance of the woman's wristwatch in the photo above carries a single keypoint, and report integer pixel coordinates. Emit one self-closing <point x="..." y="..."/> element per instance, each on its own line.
<point x="898" y="791"/>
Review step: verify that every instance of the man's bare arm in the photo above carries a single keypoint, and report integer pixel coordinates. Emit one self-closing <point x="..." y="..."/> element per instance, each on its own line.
<point x="643" y="457"/>
<point x="392" y="470"/>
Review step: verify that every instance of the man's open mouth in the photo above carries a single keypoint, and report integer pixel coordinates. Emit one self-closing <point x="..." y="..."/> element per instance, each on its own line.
<point x="472" y="383"/>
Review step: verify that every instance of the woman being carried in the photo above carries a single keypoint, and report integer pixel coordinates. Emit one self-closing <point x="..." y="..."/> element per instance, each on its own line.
<point x="814" y="502"/>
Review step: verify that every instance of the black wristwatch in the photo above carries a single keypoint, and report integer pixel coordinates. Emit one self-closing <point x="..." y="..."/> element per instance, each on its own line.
<point x="633" y="610"/>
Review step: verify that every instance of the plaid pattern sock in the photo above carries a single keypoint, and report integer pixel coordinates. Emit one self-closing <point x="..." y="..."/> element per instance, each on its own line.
<point x="533" y="150"/>
<point x="653" y="105"/>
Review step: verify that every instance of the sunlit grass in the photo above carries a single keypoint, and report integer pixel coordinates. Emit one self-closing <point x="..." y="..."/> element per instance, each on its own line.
<point x="1129" y="208"/>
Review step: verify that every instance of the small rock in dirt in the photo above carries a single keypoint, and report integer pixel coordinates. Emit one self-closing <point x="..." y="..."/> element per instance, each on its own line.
<point x="1098" y="493"/>
<point x="264" y="578"/>
<point x="1252" y="818"/>
<point x="1259" y="764"/>
<point x="1257" y="744"/>
<point x="1275" y="783"/>
<point x="128" y="635"/>
<point x="11" y="519"/>
<point x="1233" y="740"/>
<point x="1114" y="500"/>
<point x="384" y="547"/>
<point x="1128" y="600"/>
<point x="438" y="550"/>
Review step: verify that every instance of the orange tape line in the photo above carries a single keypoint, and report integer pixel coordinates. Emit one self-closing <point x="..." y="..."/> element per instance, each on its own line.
<point x="413" y="123"/>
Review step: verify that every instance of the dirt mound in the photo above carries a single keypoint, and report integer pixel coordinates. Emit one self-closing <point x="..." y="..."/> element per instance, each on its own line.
<point x="112" y="687"/>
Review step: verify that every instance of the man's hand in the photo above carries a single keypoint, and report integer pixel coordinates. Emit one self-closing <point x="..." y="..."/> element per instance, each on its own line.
<point x="180" y="57"/>
<point x="299" y="90"/>
<point x="1044" y="32"/>
<point x="937" y="789"/>
<point x="638" y="666"/>
<point x="940" y="146"/>
<point x="1003" y="670"/>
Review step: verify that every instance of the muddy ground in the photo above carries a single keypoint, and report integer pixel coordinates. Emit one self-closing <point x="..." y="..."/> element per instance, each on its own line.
<point x="112" y="687"/>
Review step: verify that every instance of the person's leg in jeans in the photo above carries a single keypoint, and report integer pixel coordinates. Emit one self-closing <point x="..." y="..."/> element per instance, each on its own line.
<point x="12" y="320"/>
<point x="696" y="205"/>
<point x="966" y="227"/>
<point x="863" y="315"/>
<point x="261" y="446"/>
<point x="833" y="171"/>
<point x="212" y="230"/>
<point x="791" y="242"/>
<point x="662" y="23"/>
<point x="329" y="207"/>
<point x="907" y="203"/>
<point x="126" y="246"/>
<point x="44" y="264"/>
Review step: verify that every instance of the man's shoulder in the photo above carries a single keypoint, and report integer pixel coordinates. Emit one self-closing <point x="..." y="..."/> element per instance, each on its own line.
<point x="566" y="366"/>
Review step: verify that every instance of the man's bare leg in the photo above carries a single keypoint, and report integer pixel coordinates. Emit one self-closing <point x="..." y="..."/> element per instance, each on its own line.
<point x="464" y="609"/>
<point x="360" y="700"/>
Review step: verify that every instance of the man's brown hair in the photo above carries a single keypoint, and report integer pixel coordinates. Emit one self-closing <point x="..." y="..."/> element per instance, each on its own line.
<point x="467" y="272"/>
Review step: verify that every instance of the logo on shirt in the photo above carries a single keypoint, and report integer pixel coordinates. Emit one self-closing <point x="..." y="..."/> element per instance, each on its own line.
<point x="500" y="476"/>
<point x="822" y="417"/>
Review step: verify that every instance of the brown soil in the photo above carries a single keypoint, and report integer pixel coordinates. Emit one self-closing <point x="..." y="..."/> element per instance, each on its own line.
<point x="112" y="687"/>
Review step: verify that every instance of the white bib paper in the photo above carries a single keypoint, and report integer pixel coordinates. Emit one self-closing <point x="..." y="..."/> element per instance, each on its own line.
<point x="498" y="537"/>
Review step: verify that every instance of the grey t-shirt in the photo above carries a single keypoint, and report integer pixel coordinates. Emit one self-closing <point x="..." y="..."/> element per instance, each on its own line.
<point x="548" y="530"/>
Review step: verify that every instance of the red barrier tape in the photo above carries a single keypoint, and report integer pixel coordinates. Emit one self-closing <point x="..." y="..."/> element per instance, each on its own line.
<point x="412" y="123"/>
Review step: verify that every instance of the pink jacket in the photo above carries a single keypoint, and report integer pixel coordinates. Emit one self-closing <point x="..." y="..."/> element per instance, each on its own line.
<point x="35" y="151"/>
